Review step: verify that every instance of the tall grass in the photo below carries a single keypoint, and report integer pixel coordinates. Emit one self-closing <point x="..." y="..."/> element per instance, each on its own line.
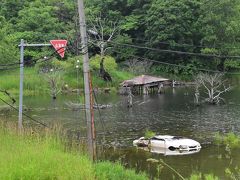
<point x="200" y="176"/>
<point x="106" y="170"/>
<point x="118" y="76"/>
<point x="44" y="156"/>
<point x="35" y="84"/>
<point x="230" y="139"/>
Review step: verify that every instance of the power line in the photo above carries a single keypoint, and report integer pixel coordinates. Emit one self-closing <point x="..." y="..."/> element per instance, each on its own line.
<point x="177" y="65"/>
<point x="34" y="60"/>
<point x="9" y="95"/>
<point x="37" y="60"/>
<point x="186" y="45"/>
<point x="8" y="68"/>
<point x="169" y="51"/>
<point x="10" y="64"/>
<point x="43" y="124"/>
<point x="173" y="51"/>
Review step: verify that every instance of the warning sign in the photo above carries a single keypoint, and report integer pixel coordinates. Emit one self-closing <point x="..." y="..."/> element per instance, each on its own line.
<point x="60" y="46"/>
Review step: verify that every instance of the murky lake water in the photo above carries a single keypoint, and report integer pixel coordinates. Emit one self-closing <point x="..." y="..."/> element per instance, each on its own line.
<point x="171" y="113"/>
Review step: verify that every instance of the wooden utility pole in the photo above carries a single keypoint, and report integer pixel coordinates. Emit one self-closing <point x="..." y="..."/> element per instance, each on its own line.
<point x="87" y="87"/>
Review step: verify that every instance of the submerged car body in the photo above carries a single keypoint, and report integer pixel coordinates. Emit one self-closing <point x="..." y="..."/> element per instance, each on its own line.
<point x="167" y="152"/>
<point x="170" y="143"/>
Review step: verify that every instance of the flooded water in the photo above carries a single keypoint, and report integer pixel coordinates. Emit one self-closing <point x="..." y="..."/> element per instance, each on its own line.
<point x="171" y="113"/>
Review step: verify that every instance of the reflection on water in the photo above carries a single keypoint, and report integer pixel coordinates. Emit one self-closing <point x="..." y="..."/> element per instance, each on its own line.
<point x="172" y="113"/>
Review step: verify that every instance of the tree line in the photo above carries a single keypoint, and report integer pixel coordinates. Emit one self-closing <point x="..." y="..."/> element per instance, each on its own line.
<point x="191" y="26"/>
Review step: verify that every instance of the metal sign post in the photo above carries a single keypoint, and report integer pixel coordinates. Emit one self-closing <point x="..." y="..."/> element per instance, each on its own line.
<point x="20" y="126"/>
<point x="22" y="45"/>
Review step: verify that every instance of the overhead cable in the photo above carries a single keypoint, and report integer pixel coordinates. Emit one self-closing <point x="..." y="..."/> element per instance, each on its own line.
<point x="186" y="45"/>
<point x="177" y="65"/>
<point x="173" y="51"/>
<point x="43" y="124"/>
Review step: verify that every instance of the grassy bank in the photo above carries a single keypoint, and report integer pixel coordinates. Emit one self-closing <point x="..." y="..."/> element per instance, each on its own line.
<point x="35" y="156"/>
<point x="35" y="83"/>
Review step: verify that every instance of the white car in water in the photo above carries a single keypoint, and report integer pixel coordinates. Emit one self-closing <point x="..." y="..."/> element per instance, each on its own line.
<point x="172" y="143"/>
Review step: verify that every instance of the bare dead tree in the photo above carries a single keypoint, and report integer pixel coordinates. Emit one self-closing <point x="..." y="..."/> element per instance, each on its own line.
<point x="213" y="86"/>
<point x="55" y="82"/>
<point x="138" y="66"/>
<point x="101" y="32"/>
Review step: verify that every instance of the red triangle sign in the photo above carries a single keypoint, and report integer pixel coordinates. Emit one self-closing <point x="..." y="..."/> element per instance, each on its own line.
<point x="59" y="46"/>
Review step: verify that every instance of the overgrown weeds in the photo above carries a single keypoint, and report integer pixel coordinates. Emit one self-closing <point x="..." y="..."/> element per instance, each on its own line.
<point x="42" y="154"/>
<point x="230" y="140"/>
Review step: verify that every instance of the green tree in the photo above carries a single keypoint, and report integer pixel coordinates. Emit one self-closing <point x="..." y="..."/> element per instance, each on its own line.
<point x="171" y="25"/>
<point x="42" y="21"/>
<point x="174" y="22"/>
<point x="130" y="16"/>
<point x="221" y="28"/>
<point x="10" y="8"/>
<point x="8" y="50"/>
<point x="38" y="23"/>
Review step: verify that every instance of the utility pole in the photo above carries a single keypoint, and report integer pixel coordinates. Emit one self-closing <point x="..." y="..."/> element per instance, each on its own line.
<point x="20" y="126"/>
<point x="87" y="87"/>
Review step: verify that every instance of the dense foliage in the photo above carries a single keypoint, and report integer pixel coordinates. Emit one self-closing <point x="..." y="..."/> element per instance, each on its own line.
<point x="192" y="26"/>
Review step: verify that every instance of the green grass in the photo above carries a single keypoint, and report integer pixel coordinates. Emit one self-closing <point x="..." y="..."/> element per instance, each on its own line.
<point x="117" y="77"/>
<point x="199" y="176"/>
<point x="44" y="156"/>
<point x="35" y="84"/>
<point x="230" y="139"/>
<point x="106" y="170"/>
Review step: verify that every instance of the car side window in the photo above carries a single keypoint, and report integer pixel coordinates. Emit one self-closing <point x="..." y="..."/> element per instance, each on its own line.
<point x="177" y="137"/>
<point x="154" y="138"/>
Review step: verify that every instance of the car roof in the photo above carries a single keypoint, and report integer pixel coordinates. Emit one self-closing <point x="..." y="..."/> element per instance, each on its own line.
<point x="167" y="137"/>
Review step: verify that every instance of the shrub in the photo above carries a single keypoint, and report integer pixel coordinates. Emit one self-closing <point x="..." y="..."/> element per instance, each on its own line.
<point x="109" y="63"/>
<point x="53" y="64"/>
<point x="232" y="65"/>
<point x="149" y="134"/>
<point x="232" y="140"/>
<point x="76" y="60"/>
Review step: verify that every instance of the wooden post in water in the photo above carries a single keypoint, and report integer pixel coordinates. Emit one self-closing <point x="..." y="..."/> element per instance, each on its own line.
<point x="130" y="97"/>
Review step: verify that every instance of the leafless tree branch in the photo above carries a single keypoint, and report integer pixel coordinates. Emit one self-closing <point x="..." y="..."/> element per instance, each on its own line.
<point x="213" y="85"/>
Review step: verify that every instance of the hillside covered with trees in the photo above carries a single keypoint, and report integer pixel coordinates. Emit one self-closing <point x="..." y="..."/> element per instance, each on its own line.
<point x="177" y="36"/>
